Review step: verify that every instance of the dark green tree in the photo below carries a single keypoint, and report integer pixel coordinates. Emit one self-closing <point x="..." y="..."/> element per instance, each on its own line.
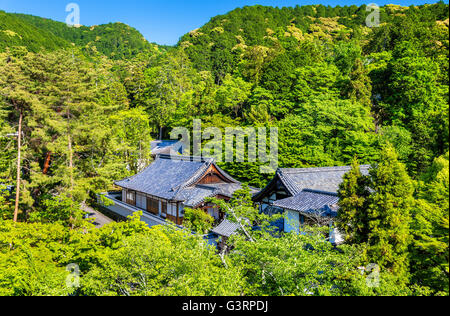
<point x="389" y="210"/>
<point x="353" y="217"/>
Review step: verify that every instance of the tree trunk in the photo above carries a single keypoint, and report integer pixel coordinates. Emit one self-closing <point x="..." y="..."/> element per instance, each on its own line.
<point x="47" y="163"/>
<point x="70" y="163"/>
<point x="71" y="177"/>
<point x="19" y="148"/>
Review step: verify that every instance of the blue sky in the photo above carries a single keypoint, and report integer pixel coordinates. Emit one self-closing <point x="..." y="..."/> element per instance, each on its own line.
<point x="163" y="22"/>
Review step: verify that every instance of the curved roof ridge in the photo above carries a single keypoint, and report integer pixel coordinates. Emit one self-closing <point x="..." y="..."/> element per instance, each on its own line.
<point x="321" y="192"/>
<point x="185" y="158"/>
<point x="288" y="182"/>
<point x="319" y="169"/>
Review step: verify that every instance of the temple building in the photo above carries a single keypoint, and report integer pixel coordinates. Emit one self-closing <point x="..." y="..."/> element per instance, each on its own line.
<point x="306" y="196"/>
<point x="169" y="185"/>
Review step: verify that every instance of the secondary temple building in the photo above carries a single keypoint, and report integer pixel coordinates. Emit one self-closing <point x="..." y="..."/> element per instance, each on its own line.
<point x="169" y="185"/>
<point x="305" y="195"/>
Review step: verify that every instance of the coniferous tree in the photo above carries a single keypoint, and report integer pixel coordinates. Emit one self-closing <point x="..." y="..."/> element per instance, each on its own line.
<point x="18" y="98"/>
<point x="353" y="219"/>
<point x="389" y="211"/>
<point x="430" y="226"/>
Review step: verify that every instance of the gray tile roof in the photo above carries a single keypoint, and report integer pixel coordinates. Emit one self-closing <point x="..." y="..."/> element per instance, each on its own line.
<point x="226" y="228"/>
<point x="166" y="147"/>
<point x="322" y="179"/>
<point x="228" y="189"/>
<point x="173" y="178"/>
<point x="167" y="175"/>
<point x="194" y="196"/>
<point x="311" y="201"/>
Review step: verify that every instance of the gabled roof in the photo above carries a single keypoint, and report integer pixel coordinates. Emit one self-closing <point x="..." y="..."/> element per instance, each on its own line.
<point x="195" y="195"/>
<point x="226" y="228"/>
<point x="311" y="201"/>
<point x="169" y="178"/>
<point x="322" y="179"/>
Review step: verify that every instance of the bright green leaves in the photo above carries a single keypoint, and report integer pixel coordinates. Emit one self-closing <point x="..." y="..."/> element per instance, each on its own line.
<point x="198" y="221"/>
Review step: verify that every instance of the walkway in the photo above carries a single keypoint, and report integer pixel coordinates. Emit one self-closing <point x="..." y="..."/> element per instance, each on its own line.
<point x="100" y="220"/>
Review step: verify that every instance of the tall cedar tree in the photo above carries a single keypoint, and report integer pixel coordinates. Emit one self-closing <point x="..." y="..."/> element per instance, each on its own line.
<point x="389" y="207"/>
<point x="353" y="219"/>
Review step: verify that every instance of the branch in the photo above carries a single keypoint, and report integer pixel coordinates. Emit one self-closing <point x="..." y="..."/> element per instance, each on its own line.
<point x="240" y="224"/>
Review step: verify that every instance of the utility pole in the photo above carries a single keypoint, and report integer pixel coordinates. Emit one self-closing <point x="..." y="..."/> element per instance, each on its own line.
<point x="19" y="144"/>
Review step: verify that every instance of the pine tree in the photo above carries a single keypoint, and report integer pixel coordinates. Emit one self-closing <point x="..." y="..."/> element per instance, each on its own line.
<point x="17" y="98"/>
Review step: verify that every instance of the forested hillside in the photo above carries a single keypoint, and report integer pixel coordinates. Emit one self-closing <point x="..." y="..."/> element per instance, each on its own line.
<point x="115" y="40"/>
<point x="91" y="99"/>
<point x="333" y="85"/>
<point x="16" y="32"/>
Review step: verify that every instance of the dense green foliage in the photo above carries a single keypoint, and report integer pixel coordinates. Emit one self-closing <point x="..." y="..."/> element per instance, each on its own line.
<point x="321" y="76"/>
<point x="92" y="98"/>
<point x="198" y="221"/>
<point x="16" y="32"/>
<point x="115" y="40"/>
<point x="404" y="234"/>
<point x="430" y="228"/>
<point x="130" y="259"/>
<point x="376" y="210"/>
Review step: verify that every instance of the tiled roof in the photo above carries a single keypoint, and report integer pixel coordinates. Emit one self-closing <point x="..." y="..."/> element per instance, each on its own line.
<point x="228" y="189"/>
<point x="226" y="228"/>
<point x="194" y="196"/>
<point x="311" y="201"/>
<point x="166" y="147"/>
<point x="167" y="175"/>
<point x="322" y="179"/>
<point x="173" y="178"/>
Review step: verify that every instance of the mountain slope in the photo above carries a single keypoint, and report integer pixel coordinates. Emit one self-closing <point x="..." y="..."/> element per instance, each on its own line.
<point x="219" y="45"/>
<point x="16" y="32"/>
<point x="115" y="40"/>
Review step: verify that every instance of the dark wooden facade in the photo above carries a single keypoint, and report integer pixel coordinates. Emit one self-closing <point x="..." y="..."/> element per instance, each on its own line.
<point x="213" y="176"/>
